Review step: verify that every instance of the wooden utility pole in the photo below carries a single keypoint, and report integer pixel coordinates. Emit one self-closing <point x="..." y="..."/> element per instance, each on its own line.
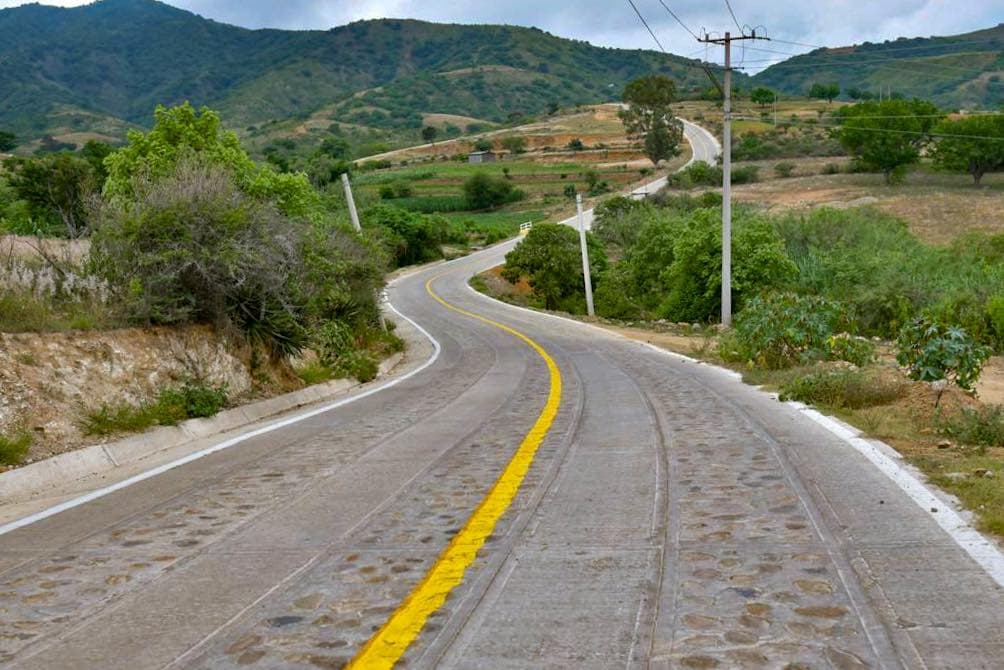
<point x="727" y="169"/>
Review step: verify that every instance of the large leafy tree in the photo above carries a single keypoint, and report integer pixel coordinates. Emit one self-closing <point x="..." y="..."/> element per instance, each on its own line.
<point x="181" y="132"/>
<point x="762" y="96"/>
<point x="974" y="144"/>
<point x="550" y="259"/>
<point x="649" y="115"/>
<point x="825" y="92"/>
<point x="887" y="136"/>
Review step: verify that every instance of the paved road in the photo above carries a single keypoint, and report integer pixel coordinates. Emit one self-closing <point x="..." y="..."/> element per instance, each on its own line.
<point x="665" y="516"/>
<point x="704" y="147"/>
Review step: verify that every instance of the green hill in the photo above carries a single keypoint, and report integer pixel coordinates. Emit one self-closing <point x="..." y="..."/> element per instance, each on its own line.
<point x="965" y="71"/>
<point x="111" y="62"/>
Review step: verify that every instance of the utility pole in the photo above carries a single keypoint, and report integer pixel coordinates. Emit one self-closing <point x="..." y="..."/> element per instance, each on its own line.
<point x="586" y="276"/>
<point x="355" y="224"/>
<point x="352" y="202"/>
<point x="727" y="168"/>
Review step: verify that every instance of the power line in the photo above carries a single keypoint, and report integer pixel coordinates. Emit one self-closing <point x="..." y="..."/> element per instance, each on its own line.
<point x="678" y="20"/>
<point x="896" y="116"/>
<point x="734" y="19"/>
<point x="879" y="62"/>
<point x="883" y="48"/>
<point x="907" y="132"/>
<point x="647" y="27"/>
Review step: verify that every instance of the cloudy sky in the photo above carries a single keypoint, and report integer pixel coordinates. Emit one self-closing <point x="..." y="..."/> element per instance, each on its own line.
<point x="614" y="23"/>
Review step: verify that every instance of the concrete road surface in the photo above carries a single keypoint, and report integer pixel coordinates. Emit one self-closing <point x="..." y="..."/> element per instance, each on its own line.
<point x="540" y="495"/>
<point x="704" y="147"/>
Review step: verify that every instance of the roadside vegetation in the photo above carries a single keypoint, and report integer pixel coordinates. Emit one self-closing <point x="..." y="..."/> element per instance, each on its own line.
<point x="843" y="308"/>
<point x="194" y="399"/>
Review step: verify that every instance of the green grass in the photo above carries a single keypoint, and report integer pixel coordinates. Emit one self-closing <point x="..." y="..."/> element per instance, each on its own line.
<point x="845" y="388"/>
<point x="435" y="204"/>
<point x="314" y="373"/>
<point x="13" y="449"/>
<point x="192" y="400"/>
<point x="22" y="311"/>
<point x="491" y="227"/>
<point x="965" y="477"/>
<point x="980" y="427"/>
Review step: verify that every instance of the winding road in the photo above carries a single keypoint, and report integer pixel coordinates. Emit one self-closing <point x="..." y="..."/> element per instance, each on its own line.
<point x="527" y="492"/>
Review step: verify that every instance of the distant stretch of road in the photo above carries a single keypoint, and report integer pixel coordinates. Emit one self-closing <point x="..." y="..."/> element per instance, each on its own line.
<point x="532" y="493"/>
<point x="704" y="147"/>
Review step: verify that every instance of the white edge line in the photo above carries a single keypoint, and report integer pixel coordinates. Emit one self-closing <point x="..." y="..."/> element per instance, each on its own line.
<point x="982" y="550"/>
<point x="226" y="444"/>
<point x="102" y="492"/>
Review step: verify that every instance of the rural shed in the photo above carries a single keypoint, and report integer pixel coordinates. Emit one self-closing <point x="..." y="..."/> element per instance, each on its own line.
<point x="482" y="157"/>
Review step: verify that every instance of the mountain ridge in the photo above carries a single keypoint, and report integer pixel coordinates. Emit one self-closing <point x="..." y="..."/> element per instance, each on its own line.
<point x="965" y="70"/>
<point x="119" y="58"/>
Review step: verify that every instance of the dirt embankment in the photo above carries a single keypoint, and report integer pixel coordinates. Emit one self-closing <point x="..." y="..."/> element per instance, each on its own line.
<point x="49" y="381"/>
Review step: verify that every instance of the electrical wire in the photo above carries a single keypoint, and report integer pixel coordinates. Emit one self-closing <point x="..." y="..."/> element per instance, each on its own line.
<point x="647" y="27"/>
<point x="734" y="19"/>
<point x="883" y="48"/>
<point x="906" y="132"/>
<point x="678" y="20"/>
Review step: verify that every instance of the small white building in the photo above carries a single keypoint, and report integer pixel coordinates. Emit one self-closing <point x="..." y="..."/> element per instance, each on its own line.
<point x="482" y="157"/>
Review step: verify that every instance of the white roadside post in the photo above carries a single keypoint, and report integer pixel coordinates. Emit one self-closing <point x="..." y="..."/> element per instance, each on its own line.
<point x="381" y="296"/>
<point x="587" y="278"/>
<point x="352" y="202"/>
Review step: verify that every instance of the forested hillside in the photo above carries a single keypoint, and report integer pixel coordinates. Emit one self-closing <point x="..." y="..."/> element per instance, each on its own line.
<point x="965" y="71"/>
<point x="104" y="66"/>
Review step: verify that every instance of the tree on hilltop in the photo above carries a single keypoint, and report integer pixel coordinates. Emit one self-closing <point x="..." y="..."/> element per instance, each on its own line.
<point x="649" y="116"/>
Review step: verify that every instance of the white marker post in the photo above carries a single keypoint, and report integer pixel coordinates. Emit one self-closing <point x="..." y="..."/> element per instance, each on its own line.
<point x="355" y="224"/>
<point x="587" y="278"/>
<point x="352" y="202"/>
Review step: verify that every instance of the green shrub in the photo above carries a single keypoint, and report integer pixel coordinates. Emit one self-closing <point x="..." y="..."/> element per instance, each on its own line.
<point x="486" y="192"/>
<point x="746" y="174"/>
<point x="693" y="281"/>
<point x="408" y="237"/>
<point x="845" y="389"/>
<point x="194" y="248"/>
<point x="932" y="351"/>
<point x="845" y="347"/>
<point x="784" y="170"/>
<point x="193" y="399"/>
<point x="780" y="330"/>
<point x="359" y="365"/>
<point x="314" y="373"/>
<point x="618" y="220"/>
<point x="614" y="294"/>
<point x="995" y="314"/>
<point x="13" y="449"/>
<point x="975" y="426"/>
<point x="698" y="173"/>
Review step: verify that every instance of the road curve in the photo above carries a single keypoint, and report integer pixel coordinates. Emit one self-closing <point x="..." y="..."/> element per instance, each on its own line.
<point x="667" y="516"/>
<point x="704" y="147"/>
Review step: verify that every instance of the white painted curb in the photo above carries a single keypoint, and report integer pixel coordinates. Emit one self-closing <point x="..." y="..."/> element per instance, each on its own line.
<point x="268" y="428"/>
<point x="982" y="550"/>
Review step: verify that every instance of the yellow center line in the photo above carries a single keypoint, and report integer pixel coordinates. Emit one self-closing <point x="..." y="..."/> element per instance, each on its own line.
<point x="389" y="644"/>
